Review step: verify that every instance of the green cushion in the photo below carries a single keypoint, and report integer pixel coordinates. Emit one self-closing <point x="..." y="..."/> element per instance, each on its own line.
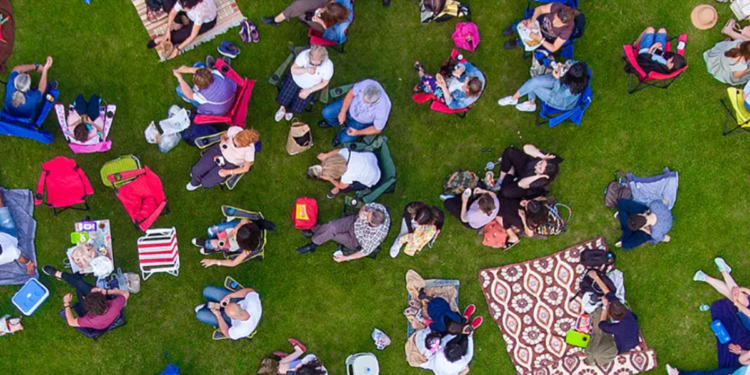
<point x="119" y="165"/>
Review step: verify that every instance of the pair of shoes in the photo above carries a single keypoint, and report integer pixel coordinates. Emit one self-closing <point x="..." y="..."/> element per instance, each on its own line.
<point x="469" y="311"/>
<point x="309" y="248"/>
<point x="190" y="187"/>
<point x="511" y="44"/>
<point x="228" y="49"/>
<point x="270" y="21"/>
<point x="308" y="233"/>
<point x="508" y="31"/>
<point x="295" y="343"/>
<point x="249" y="32"/>
<point x="50" y="271"/>
<point x="331" y="194"/>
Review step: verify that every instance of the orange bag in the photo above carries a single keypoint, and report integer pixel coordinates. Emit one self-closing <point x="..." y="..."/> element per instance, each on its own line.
<point x="305" y="213"/>
<point x="494" y="235"/>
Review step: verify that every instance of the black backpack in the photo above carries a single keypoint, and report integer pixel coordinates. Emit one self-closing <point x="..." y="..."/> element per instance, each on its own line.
<point x="595" y="258"/>
<point x="588" y="285"/>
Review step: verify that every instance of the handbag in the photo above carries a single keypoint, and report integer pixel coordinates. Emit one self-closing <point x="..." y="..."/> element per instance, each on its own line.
<point x="494" y="235"/>
<point x="299" y="139"/>
<point x="617" y="190"/>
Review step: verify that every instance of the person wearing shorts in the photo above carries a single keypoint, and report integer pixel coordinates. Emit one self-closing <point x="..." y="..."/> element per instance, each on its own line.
<point x="9" y="251"/>
<point x="653" y="55"/>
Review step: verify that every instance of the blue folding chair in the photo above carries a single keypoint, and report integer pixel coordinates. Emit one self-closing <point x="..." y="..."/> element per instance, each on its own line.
<point x="568" y="47"/>
<point x="554" y="116"/>
<point x="25" y="128"/>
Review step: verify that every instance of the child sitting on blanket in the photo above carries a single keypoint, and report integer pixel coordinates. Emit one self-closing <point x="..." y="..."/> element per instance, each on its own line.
<point x="10" y="325"/>
<point x="84" y="120"/>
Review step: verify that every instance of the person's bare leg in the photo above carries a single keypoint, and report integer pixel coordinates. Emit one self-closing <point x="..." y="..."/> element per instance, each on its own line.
<point x="731" y="284"/>
<point x="720" y="286"/>
<point x="284" y="362"/>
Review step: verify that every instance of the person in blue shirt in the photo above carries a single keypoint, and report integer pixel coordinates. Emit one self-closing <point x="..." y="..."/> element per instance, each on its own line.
<point x="457" y="86"/>
<point x="20" y="99"/>
<point x="560" y="90"/>
<point x="641" y="223"/>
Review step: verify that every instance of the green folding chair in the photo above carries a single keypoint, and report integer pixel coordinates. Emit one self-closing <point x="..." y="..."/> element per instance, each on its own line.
<point x="122" y="164"/>
<point x="209" y="140"/>
<point x="233" y="213"/>
<point x="278" y="76"/>
<point x="233" y="286"/>
<point x="387" y="184"/>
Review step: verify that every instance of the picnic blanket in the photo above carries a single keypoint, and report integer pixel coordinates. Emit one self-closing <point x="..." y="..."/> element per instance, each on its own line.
<point x="648" y="189"/>
<point x="20" y="202"/>
<point x="530" y="302"/>
<point x="228" y="16"/>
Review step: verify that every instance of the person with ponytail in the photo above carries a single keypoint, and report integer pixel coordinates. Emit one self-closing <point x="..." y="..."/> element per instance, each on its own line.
<point x="20" y="99"/>
<point x="729" y="62"/>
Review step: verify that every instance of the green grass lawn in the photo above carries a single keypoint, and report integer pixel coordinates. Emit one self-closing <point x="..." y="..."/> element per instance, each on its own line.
<point x="100" y="48"/>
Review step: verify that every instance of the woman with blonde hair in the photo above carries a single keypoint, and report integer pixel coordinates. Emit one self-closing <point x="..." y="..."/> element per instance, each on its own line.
<point x="233" y="155"/>
<point x="347" y="170"/>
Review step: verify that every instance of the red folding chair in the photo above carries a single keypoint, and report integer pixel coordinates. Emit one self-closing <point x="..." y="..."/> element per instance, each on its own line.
<point x="143" y="197"/>
<point x="237" y="115"/>
<point x="652" y="79"/>
<point x="436" y="105"/>
<point x="316" y="37"/>
<point x="65" y="184"/>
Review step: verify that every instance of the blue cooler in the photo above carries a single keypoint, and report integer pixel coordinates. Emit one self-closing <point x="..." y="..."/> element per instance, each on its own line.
<point x="30" y="297"/>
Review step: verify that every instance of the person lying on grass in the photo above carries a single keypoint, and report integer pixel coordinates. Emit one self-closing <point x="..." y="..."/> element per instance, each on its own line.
<point x="235" y="314"/>
<point x="346" y="170"/>
<point x="9" y="251"/>
<point x="641" y="223"/>
<point x="238" y="238"/>
<point x="526" y="173"/>
<point x="20" y="99"/>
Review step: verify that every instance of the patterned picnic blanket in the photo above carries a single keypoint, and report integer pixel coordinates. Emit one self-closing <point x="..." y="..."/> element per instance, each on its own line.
<point x="530" y="302"/>
<point x="228" y="16"/>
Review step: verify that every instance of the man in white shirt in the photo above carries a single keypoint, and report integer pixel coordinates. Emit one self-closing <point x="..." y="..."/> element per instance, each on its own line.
<point x="9" y="251"/>
<point x="235" y="314"/>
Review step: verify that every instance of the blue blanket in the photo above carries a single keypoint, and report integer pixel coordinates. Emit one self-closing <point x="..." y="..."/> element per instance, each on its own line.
<point x="20" y="202"/>
<point x="648" y="189"/>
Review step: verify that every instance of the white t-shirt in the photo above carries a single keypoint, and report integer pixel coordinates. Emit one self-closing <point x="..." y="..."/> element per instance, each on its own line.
<point x="441" y="366"/>
<point x="361" y="167"/>
<point x="204" y="12"/>
<point x="243" y="328"/>
<point x="10" y="248"/>
<point x="236" y="155"/>
<point x="324" y="72"/>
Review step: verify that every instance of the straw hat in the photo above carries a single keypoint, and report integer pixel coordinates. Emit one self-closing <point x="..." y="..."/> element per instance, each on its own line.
<point x="704" y="16"/>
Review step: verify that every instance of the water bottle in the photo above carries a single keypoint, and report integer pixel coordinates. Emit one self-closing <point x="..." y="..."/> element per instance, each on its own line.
<point x="704" y="307"/>
<point x="720" y="332"/>
<point x="230" y="211"/>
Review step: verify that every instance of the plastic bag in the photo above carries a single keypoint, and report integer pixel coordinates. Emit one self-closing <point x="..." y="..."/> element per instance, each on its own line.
<point x="102" y="266"/>
<point x="380" y="338"/>
<point x="168" y="141"/>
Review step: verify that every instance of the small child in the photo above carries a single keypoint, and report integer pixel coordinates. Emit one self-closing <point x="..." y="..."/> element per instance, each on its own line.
<point x="85" y="121"/>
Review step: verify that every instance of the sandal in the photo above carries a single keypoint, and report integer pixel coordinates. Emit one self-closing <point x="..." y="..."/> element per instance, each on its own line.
<point x="415" y="304"/>
<point x="418" y="68"/>
<point x="410" y="311"/>
<point x="509" y="245"/>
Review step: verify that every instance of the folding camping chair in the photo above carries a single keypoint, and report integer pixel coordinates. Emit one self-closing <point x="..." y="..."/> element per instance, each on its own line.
<point x="436" y="105"/>
<point x="232" y="285"/>
<point x="652" y="79"/>
<point x="554" y="116"/>
<point x="93" y="145"/>
<point x="734" y="104"/>
<point x="387" y="184"/>
<point x="568" y="48"/>
<point x="158" y="252"/>
<point x="351" y="207"/>
<point x="139" y="190"/>
<point x="232" y="213"/>
<point x="96" y="333"/>
<point x="25" y="128"/>
<point x="116" y="167"/>
<point x="446" y="10"/>
<point x="237" y="114"/>
<point x="209" y="140"/>
<point x="65" y="184"/>
<point x="281" y="72"/>
<point x="335" y="36"/>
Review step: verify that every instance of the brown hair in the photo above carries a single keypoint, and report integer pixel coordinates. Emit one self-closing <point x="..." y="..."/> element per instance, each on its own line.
<point x="81" y="132"/>
<point x="203" y="78"/>
<point x="617" y="310"/>
<point x="567" y="14"/>
<point x="742" y="50"/>
<point x="475" y="86"/>
<point x="334" y="167"/>
<point x="486" y="203"/>
<point x="246" y="137"/>
<point x="334" y="13"/>
<point x="95" y="303"/>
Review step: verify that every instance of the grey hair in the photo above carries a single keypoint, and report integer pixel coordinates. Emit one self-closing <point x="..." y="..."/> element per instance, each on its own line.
<point x="371" y="94"/>
<point x="378" y="217"/>
<point x="22" y="83"/>
<point x="319" y="52"/>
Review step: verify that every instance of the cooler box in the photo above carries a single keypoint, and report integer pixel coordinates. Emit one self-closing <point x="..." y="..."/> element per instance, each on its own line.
<point x="362" y="364"/>
<point x="30" y="297"/>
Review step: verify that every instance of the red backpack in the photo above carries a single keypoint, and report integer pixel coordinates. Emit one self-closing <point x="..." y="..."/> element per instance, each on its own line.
<point x="305" y="213"/>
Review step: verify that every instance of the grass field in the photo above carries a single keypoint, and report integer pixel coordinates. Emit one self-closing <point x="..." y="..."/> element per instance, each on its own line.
<point x="100" y="48"/>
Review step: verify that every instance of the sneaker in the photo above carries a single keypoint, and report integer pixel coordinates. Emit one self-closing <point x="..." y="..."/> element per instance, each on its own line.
<point x="199" y="307"/>
<point x="245" y="31"/>
<point x="672" y="371"/>
<point x="288" y="116"/>
<point x="511" y="44"/>
<point x="508" y="31"/>
<point x="721" y="264"/>
<point x="279" y="114"/>
<point x="295" y="343"/>
<point x="699" y="276"/>
<point x="198" y="242"/>
<point x="227" y="61"/>
<point x="281" y="355"/>
<point x="270" y="21"/>
<point x="254" y="34"/>
<point x="508" y="100"/>
<point x="477" y="322"/>
<point x="704" y="307"/>
<point x="210" y="62"/>
<point x="308" y="233"/>
<point x="309" y="248"/>
<point x="190" y="187"/>
<point x="338" y="253"/>
<point x="526" y="106"/>
<point x="618" y="244"/>
<point x="445" y="197"/>
<point x="617" y="215"/>
<point x="395" y="250"/>
<point x="331" y="195"/>
<point x="49" y="271"/>
<point x="469" y="311"/>
<point x="228" y="49"/>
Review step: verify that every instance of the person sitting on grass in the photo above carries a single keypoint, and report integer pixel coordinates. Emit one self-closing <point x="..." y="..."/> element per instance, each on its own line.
<point x="556" y="23"/>
<point x="318" y="14"/>
<point x="474" y="210"/>
<point x="9" y="251"/>
<point x="729" y="60"/>
<point x="293" y="363"/>
<point x="311" y="72"/>
<point x="363" y="111"/>
<point x="233" y="155"/>
<point x="739" y="296"/>
<point x="523" y="216"/>
<point x="641" y="223"/>
<point x="96" y="309"/>
<point x="212" y="94"/>
<point x="238" y="237"/>
<point x="347" y="170"/>
<point x="362" y="233"/>
<point x="420" y="226"/>
<point x="457" y="86"/>
<point x="186" y="20"/>
<point x="10" y="325"/>
<point x="526" y="173"/>
<point x="560" y="90"/>
<point x="652" y="54"/>
<point x="20" y="99"/>
<point x="85" y="119"/>
<point x="454" y="356"/>
<point x="235" y="314"/>
<point x="624" y="324"/>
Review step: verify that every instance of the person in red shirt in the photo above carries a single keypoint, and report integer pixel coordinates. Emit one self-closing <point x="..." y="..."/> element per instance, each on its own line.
<point x="96" y="308"/>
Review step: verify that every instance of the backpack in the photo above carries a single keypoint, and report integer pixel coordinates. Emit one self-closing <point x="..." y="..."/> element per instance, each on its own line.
<point x="617" y="190"/>
<point x="555" y="224"/>
<point x="459" y="181"/>
<point x="195" y="131"/>
<point x="588" y="285"/>
<point x="305" y="213"/>
<point x="595" y="258"/>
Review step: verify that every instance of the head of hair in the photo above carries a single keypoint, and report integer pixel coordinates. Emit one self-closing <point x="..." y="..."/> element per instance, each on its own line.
<point x="311" y="368"/>
<point x="577" y="78"/>
<point x="248" y="237"/>
<point x="617" y="310"/>
<point x="551" y="169"/>
<point x="334" y="167"/>
<point x="246" y="137"/>
<point x="81" y="132"/>
<point x="189" y="4"/>
<point x="431" y="336"/>
<point x="475" y="86"/>
<point x="742" y="50"/>
<point x="456" y="348"/>
<point x="334" y="13"/>
<point x="22" y="83"/>
<point x="95" y="303"/>
<point x="636" y="222"/>
<point x="377" y="217"/>
<point x="371" y="94"/>
<point x="536" y="212"/>
<point x="678" y="61"/>
<point x="567" y="14"/>
<point x="203" y="78"/>
<point x="486" y="203"/>
<point x="319" y="53"/>
<point x="424" y="215"/>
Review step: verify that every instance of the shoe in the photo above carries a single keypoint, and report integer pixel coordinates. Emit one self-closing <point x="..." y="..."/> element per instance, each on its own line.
<point x="445" y="197"/>
<point x="281" y="355"/>
<point x="309" y="248"/>
<point x="279" y="114"/>
<point x="50" y="271"/>
<point x="336" y="142"/>
<point x="295" y="343"/>
<point x="617" y="215"/>
<point x="270" y="21"/>
<point x="386" y="3"/>
<point x="245" y="31"/>
<point x="508" y="100"/>
<point x="338" y="253"/>
<point x="324" y="124"/>
<point x="199" y="307"/>
<point x="699" y="276"/>
<point x="254" y="34"/>
<point x="672" y="371"/>
<point x="288" y="116"/>
<point x="526" y="106"/>
<point x="228" y="49"/>
<point x="198" y="242"/>
<point x="227" y="61"/>
<point x="331" y="195"/>
<point x="151" y="44"/>
<point x="721" y="264"/>
<point x="704" y="307"/>
<point x="618" y="244"/>
<point x="509" y="31"/>
<point x="190" y="187"/>
<point x="308" y="233"/>
<point x="511" y="44"/>
<point x="469" y="311"/>
<point x="395" y="249"/>
<point x="210" y="62"/>
<point x="477" y="322"/>
<point x="205" y="251"/>
<point x="410" y="311"/>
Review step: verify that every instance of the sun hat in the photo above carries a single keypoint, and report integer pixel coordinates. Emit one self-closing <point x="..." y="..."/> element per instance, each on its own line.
<point x="704" y="17"/>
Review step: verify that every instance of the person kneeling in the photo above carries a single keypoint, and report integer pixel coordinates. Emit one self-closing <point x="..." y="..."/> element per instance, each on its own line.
<point x="233" y="155"/>
<point x="235" y="314"/>
<point x="362" y="232"/>
<point x="213" y="93"/>
<point x="559" y="90"/>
